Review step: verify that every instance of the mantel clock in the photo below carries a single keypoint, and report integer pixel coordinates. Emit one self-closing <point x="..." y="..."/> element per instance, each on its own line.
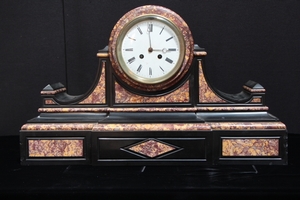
<point x="152" y="104"/>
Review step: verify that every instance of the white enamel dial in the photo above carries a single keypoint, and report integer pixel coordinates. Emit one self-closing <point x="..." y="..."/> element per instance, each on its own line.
<point x="150" y="49"/>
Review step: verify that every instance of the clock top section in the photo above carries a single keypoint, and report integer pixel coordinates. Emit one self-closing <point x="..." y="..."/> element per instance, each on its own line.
<point x="156" y="40"/>
<point x="151" y="49"/>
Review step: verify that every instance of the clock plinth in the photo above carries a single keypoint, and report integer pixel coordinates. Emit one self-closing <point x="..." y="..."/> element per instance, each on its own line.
<point x="192" y="124"/>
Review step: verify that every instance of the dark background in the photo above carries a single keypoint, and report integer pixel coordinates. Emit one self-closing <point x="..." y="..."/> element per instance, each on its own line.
<point x="44" y="42"/>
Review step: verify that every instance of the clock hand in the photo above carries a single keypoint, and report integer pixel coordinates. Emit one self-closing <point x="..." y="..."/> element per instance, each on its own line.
<point x="149" y="29"/>
<point x="164" y="50"/>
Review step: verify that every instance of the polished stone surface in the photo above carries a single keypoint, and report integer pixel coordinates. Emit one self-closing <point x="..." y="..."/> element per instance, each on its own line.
<point x="172" y="182"/>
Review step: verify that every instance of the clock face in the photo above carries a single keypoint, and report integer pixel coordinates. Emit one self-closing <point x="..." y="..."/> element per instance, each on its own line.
<point x="150" y="49"/>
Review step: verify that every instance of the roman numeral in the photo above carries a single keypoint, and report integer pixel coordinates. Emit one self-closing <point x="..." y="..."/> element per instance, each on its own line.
<point x="169" y="60"/>
<point x="139" y="29"/>
<point x="161" y="30"/>
<point x="150" y="71"/>
<point x="169" y="39"/>
<point x="131" y="60"/>
<point x="139" y="68"/>
<point x="129" y="49"/>
<point x="172" y="49"/>
<point x="150" y="27"/>
<point x="161" y="69"/>
<point x="131" y="38"/>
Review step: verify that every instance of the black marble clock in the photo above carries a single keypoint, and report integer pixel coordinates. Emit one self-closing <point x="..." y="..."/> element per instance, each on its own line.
<point x="152" y="104"/>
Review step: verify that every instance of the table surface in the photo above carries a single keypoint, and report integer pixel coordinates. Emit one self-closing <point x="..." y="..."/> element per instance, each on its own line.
<point x="172" y="182"/>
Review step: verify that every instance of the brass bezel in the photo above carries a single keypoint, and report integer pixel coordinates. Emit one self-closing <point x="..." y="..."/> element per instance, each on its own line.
<point x="125" y="67"/>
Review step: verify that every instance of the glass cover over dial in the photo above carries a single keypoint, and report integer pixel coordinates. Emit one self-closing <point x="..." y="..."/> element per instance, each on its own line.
<point x="150" y="49"/>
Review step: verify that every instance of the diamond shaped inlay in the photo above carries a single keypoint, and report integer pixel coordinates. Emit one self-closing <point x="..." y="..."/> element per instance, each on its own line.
<point x="152" y="148"/>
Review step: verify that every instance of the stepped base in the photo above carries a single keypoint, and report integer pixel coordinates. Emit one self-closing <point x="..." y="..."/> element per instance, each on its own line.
<point x="155" y="139"/>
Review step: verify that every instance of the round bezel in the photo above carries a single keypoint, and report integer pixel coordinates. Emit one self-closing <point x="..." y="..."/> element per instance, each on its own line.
<point x="176" y="23"/>
<point x="122" y="62"/>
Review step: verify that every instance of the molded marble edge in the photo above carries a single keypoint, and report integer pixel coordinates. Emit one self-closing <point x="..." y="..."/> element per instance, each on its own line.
<point x="207" y="126"/>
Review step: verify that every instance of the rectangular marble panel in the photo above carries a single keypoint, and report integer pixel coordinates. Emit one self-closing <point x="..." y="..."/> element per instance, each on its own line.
<point x="55" y="147"/>
<point x="250" y="147"/>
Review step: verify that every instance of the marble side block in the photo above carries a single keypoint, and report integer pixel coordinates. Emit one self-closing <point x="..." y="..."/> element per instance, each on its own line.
<point x="98" y="96"/>
<point x="206" y="94"/>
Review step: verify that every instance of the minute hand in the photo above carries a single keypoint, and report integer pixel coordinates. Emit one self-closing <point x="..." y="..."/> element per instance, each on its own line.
<point x="165" y="50"/>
